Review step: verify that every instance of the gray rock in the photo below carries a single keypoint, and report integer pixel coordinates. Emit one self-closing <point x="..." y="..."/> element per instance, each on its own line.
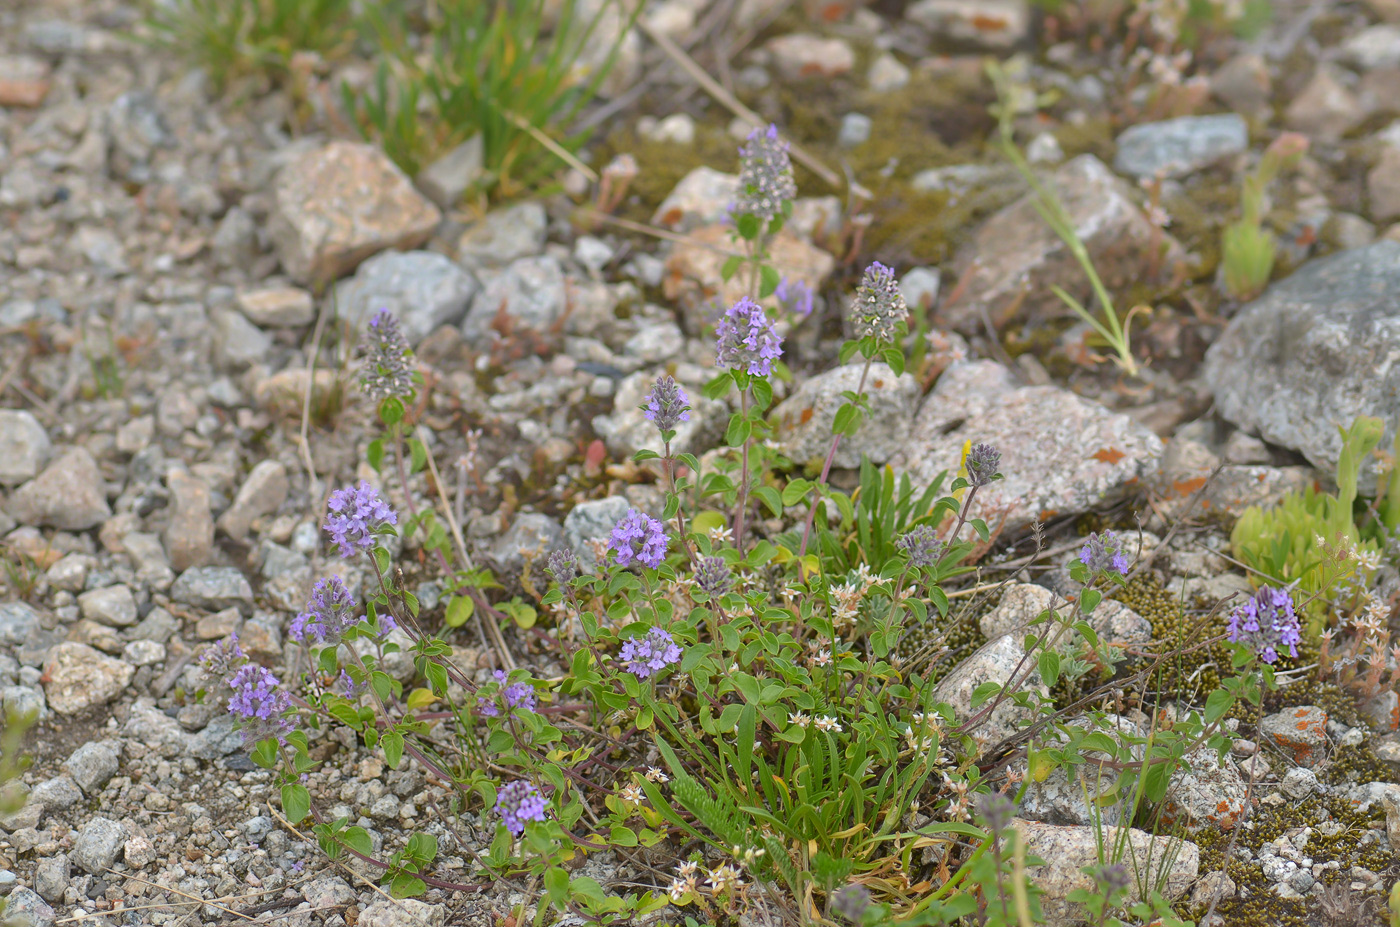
<point x="1177" y="147"/>
<point x="1383" y="185"/>
<point x="1299" y="784"/>
<point x="803" y="421"/>
<point x="1315" y="351"/>
<point x="1211" y="887"/>
<point x="920" y="287"/>
<point x="887" y="74"/>
<point x="92" y="765"/>
<point x="1301" y="733"/>
<point x="158" y="625"/>
<point x="148" y="556"/>
<point x="189" y="538"/>
<point x="403" y="912"/>
<point x="278" y="307"/>
<point x="1021" y="603"/>
<point x="213" y="589"/>
<point x="1205" y="792"/>
<point x="958" y="180"/>
<point x="17" y="620"/>
<point x="148" y="725"/>
<point x="1068" y="850"/>
<point x="340" y="203"/>
<point x="262" y="493"/>
<point x="701" y="198"/>
<point x="26" y="445"/>
<point x="1019" y="258"/>
<point x="69" y="494"/>
<point x="984" y="25"/>
<point x="98" y="845"/>
<point x="1060" y="454"/>
<point x="423" y="289"/>
<point x="995" y="661"/>
<point x="235" y="241"/>
<point x="803" y="55"/>
<point x="531" y="534"/>
<point x="655" y="341"/>
<point x="628" y="430"/>
<point x="529" y="294"/>
<point x="70" y="573"/>
<point x="114" y="606"/>
<point x="51" y="875"/>
<point x="77" y="677"/>
<point x="446" y="179"/>
<point x="239" y="343"/>
<point x="1325" y="109"/>
<point x="57" y="793"/>
<point x="1244" y="84"/>
<point x="24" y="700"/>
<point x="218" y="739"/>
<point x="504" y="236"/>
<point x="855" y="130"/>
<point x="143" y="653"/>
<point x="1061" y="799"/>
<point x="24" y="908"/>
<point x="137" y="126"/>
<point x="592" y="521"/>
<point x="1376" y="47"/>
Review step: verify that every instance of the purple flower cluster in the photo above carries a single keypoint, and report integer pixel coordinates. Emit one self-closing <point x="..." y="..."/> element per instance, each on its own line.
<point x="518" y="802"/>
<point x="645" y="656"/>
<point x="667" y="404"/>
<point x="562" y="566"/>
<point x="922" y="545"/>
<point x="355" y="514"/>
<point x="981" y="463"/>
<point x="712" y="576"/>
<point x="746" y="339"/>
<point x="765" y="175"/>
<point x="388" y="371"/>
<point x="516" y="695"/>
<point x="794" y="296"/>
<point x="223" y="658"/>
<point x="260" y="703"/>
<point x="329" y="613"/>
<point x="638" y="537"/>
<point x="878" y="308"/>
<point x="1266" y="624"/>
<point x="1103" y="553"/>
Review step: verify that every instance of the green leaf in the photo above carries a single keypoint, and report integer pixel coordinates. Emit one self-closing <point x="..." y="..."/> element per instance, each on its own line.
<point x="739" y="430"/>
<point x="762" y="393"/>
<point x="265" y="753"/>
<point x="894" y="357"/>
<point x="795" y="491"/>
<point x="1049" y="667"/>
<point x="622" y="836"/>
<point x="296" y="802"/>
<point x="556" y="884"/>
<point x="418" y="456"/>
<point x="718" y="388"/>
<point x="1217" y="704"/>
<point x="357" y="839"/>
<point x="770" y="498"/>
<point x="768" y="280"/>
<point x="407" y="885"/>
<point x="375" y="454"/>
<point x="1089" y="600"/>
<point x="392" y="742"/>
<point x="984" y="692"/>
<point x="459" y="610"/>
<point x="391" y="411"/>
<point x="747" y="226"/>
<point x="847" y="420"/>
<point x="729" y="267"/>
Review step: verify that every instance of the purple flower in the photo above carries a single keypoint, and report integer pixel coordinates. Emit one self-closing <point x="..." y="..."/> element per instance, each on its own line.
<point x="981" y="463"/>
<point x="794" y="296"/>
<point x="1265" y="624"/>
<point x="223" y="658"/>
<point x="259" y="703"/>
<point x="355" y="514"/>
<point x="388" y="371"/>
<point x="922" y="545"/>
<point x="329" y="613"/>
<point x="518" y="802"/>
<point x="638" y="537"/>
<point x="1103" y="553"/>
<point x="712" y="576"/>
<point x="348" y="687"/>
<point x="651" y="654"/>
<point x="746" y="339"/>
<point x="878" y="308"/>
<point x="516" y="694"/>
<point x="562" y="566"/>
<point x="667" y="404"/>
<point x="766" y="181"/>
<point x="1111" y="878"/>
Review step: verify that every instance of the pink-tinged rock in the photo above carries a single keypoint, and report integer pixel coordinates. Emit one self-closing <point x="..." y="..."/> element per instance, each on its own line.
<point x="24" y="80"/>
<point x="77" y="677"/>
<point x="69" y="494"/>
<point x="800" y="55"/>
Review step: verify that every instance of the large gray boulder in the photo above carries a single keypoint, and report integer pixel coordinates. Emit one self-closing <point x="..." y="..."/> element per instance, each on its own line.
<point x="1314" y="352"/>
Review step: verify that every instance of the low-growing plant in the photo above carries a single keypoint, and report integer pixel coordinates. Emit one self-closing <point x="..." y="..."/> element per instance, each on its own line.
<point x="505" y="70"/>
<point x="1247" y="247"/>
<point x="1310" y="538"/>
<point x="232" y="38"/>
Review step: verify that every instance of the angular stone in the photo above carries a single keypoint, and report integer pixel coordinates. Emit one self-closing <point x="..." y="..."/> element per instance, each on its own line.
<point x="17" y="621"/>
<point x="887" y="74"/>
<point x="262" y="493"/>
<point x="24" y="908"/>
<point x="189" y="538"/>
<point x="590" y="522"/>
<point x="533" y="535"/>
<point x="336" y="205"/>
<point x="69" y="494"/>
<point x="423" y="289"/>
<point x="1325" y="109"/>
<point x="98" y="845"/>
<point x="446" y="179"/>
<point x="403" y="912"/>
<point x="285" y="392"/>
<point x="51" y="877"/>
<point x="57" y="793"/>
<point x="114" y="606"/>
<point x="1019" y="258"/>
<point x="213" y="589"/>
<point x="504" y="236"/>
<point x="987" y="25"/>
<point x="1061" y="799"/>
<point x="24" y="80"/>
<point x="26" y="445"/>
<point x="278" y="307"/>
<point x="1376" y="47"/>
<point x="1069" y="850"/>
<point x="1060" y="454"/>
<point x="77" y="677"/>
<point x="1315" y="351"/>
<point x="1300" y="732"/>
<point x="701" y="198"/>
<point x="803" y="421"/>
<point x="1383" y="185"/>
<point x="1021" y="603"/>
<point x="1205" y="793"/>
<point x="996" y="662"/>
<point x="1244" y="84"/>
<point x="1178" y="147"/>
<point x="799" y="55"/>
<point x="528" y="296"/>
<point x="92" y="765"/>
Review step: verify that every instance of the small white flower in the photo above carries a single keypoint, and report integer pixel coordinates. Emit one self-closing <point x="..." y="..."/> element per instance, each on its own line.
<point x="725" y="878"/>
<point x="721" y="535"/>
<point x="828" y="723"/>
<point x="631" y="794"/>
<point x="680" y="888"/>
<point x="799" y="719"/>
<point x="688" y="869"/>
<point x="821" y="658"/>
<point x="656" y="775"/>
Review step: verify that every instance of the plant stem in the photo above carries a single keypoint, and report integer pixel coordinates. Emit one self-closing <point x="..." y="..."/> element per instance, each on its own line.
<point x="743" y="501"/>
